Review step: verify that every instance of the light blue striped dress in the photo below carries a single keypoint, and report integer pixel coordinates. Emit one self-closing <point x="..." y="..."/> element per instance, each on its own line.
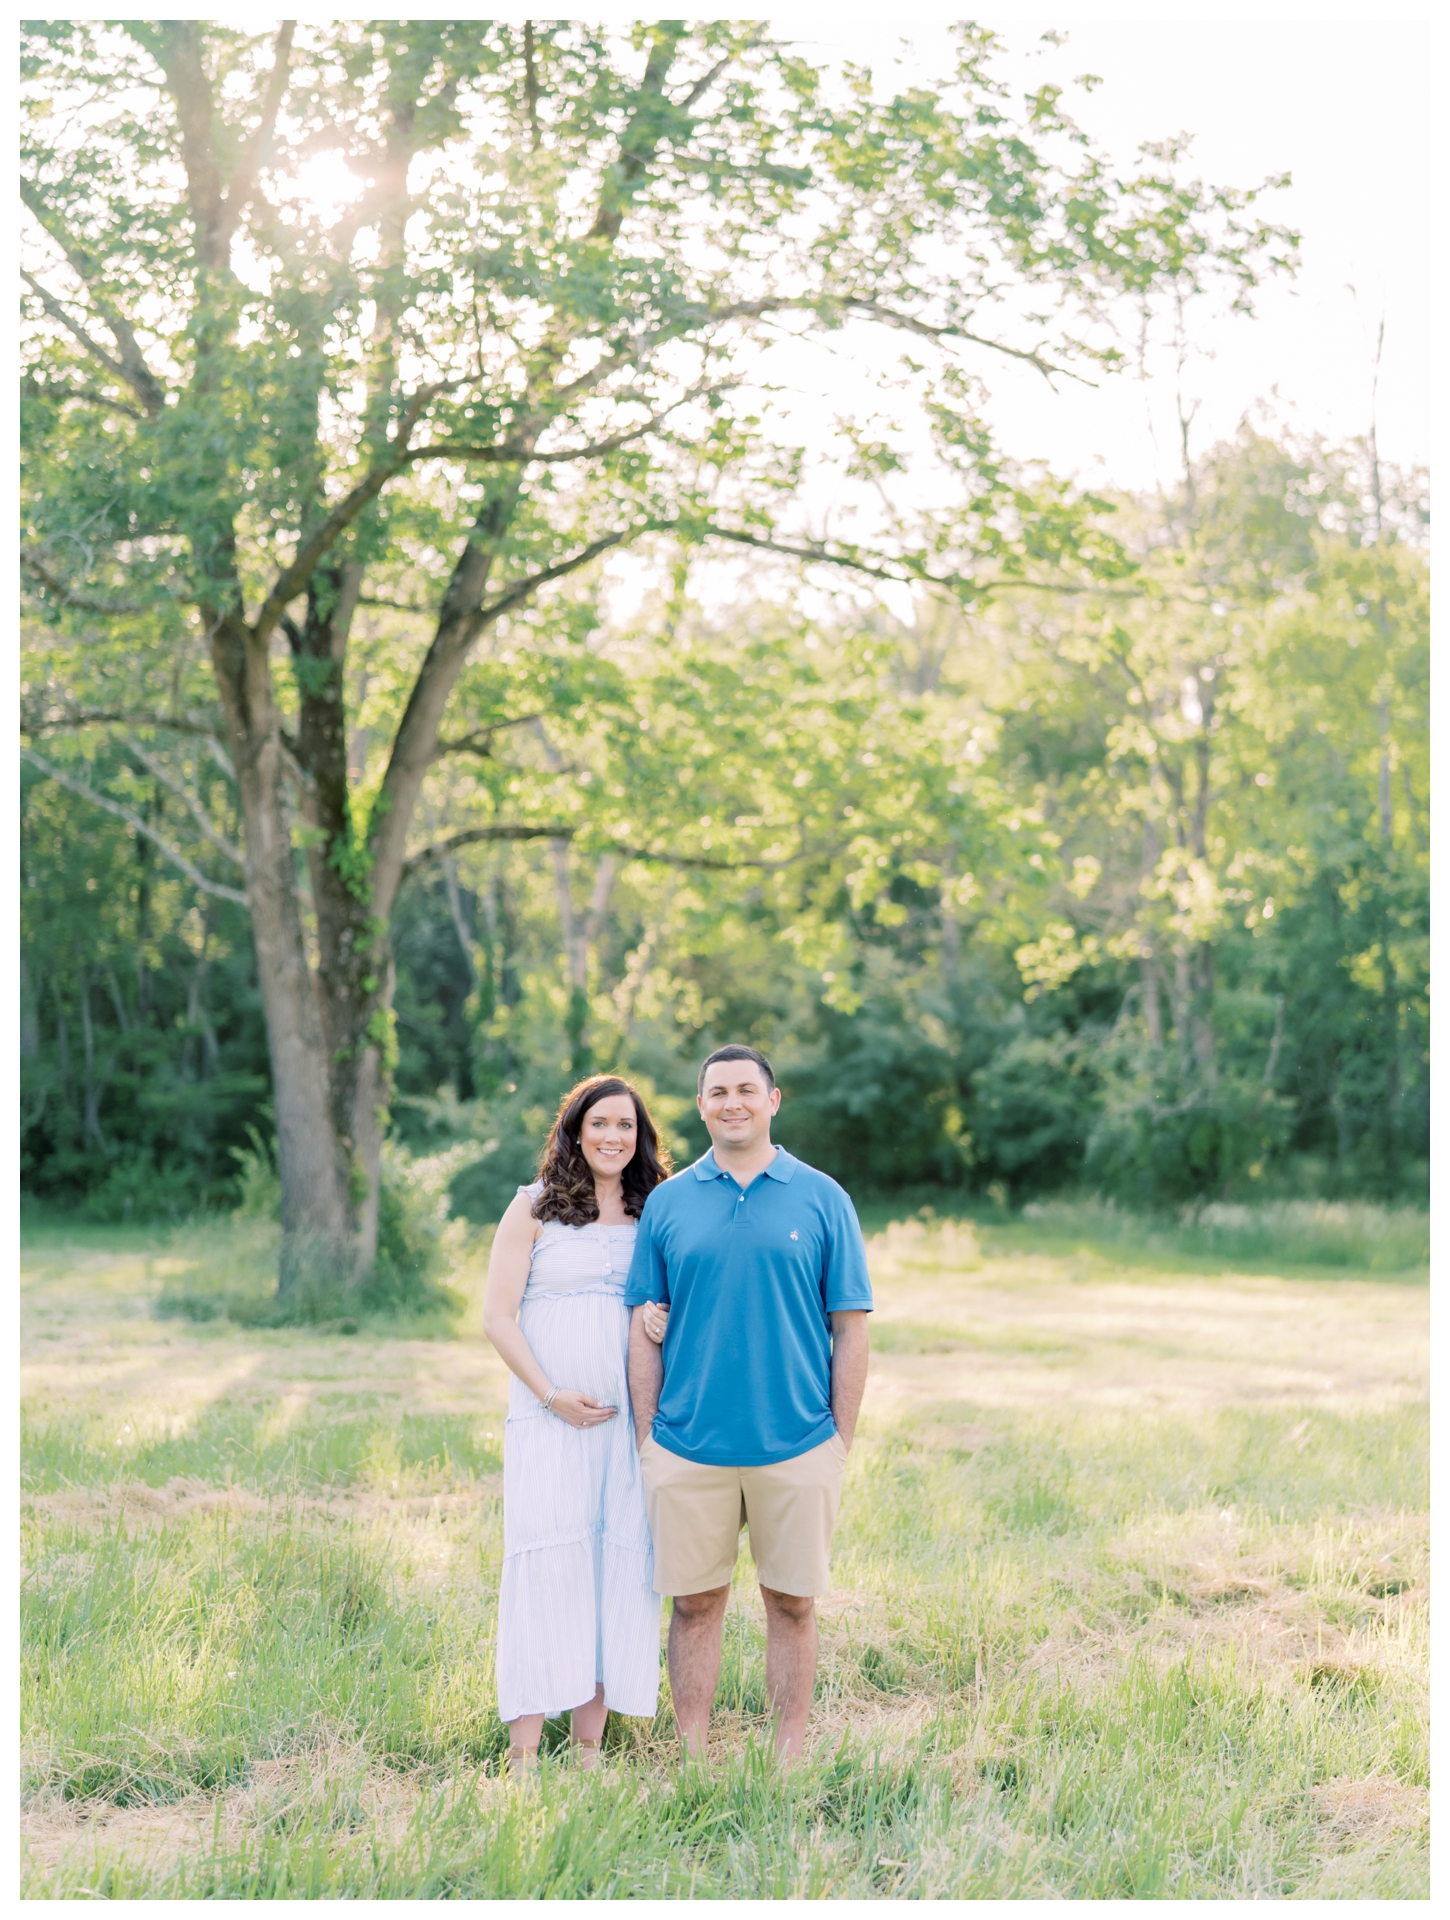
<point x="577" y="1602"/>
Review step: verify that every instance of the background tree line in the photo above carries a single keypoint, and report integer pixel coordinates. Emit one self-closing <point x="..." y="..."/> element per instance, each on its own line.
<point x="354" y="351"/>
<point x="1126" y="885"/>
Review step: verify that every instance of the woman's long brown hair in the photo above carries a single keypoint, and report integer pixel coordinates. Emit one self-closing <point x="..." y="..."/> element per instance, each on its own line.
<point x="568" y="1178"/>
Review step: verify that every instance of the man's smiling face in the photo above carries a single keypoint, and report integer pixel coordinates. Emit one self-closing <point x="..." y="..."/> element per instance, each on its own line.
<point x="736" y="1104"/>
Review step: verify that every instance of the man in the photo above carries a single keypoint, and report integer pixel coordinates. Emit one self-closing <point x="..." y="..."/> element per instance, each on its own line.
<point x="746" y="1413"/>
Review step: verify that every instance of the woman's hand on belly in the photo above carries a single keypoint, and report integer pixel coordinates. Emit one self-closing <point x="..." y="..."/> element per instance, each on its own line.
<point x="580" y="1410"/>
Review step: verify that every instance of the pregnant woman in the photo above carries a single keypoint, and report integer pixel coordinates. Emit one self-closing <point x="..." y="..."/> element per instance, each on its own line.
<point x="579" y="1620"/>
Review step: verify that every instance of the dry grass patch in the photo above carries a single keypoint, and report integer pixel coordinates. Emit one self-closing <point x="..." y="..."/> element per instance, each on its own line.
<point x="338" y="1780"/>
<point x="1376" y="1809"/>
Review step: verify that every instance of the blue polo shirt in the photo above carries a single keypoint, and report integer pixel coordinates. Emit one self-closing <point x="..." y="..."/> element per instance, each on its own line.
<point x="751" y="1275"/>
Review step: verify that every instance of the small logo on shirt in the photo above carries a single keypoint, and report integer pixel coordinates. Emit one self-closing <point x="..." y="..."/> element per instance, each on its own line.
<point x="793" y="1234"/>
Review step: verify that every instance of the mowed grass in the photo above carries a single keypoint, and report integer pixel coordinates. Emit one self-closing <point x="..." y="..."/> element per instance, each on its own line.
<point x="1130" y="1599"/>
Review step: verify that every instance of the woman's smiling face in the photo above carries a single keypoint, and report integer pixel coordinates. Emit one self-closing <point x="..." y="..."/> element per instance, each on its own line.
<point x="609" y="1134"/>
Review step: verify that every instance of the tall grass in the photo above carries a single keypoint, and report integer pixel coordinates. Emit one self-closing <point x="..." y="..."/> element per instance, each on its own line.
<point x="1077" y="1653"/>
<point x="1029" y="1694"/>
<point x="1355" y="1234"/>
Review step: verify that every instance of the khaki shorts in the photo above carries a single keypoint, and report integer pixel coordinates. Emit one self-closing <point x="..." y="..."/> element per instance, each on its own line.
<point x="696" y="1513"/>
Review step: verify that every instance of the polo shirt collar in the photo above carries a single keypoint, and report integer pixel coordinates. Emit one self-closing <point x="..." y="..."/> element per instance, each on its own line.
<point x="781" y="1168"/>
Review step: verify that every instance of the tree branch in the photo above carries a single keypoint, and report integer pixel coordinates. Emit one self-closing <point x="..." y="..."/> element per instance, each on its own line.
<point x="906" y="323"/>
<point x="527" y="456"/>
<point x="700" y="862"/>
<point x="188" y="799"/>
<point x="32" y="563"/>
<point x="520" y="590"/>
<point x="871" y="310"/>
<point x="531" y="86"/>
<point x="1101" y="593"/>
<point x="481" y="743"/>
<point x="473" y="836"/>
<point x="178" y="859"/>
<point x="110" y="717"/>
<point x="176" y="46"/>
<point x="244" y="181"/>
<point x="395" y="606"/>
<point x="641" y="137"/>
<point x="902" y="574"/>
<point x="131" y="367"/>
<point x="634" y="353"/>
<point x="292" y="580"/>
<point x="707" y="79"/>
<point x="113" y="366"/>
<point x="63" y="391"/>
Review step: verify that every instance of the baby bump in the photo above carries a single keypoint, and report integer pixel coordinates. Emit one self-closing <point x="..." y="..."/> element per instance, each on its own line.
<point x="581" y="1341"/>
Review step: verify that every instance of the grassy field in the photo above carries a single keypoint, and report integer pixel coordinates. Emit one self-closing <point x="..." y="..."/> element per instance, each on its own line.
<point x="1130" y="1592"/>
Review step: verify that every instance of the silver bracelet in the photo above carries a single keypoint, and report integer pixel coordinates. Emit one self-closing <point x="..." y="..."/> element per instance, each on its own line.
<point x="550" y="1401"/>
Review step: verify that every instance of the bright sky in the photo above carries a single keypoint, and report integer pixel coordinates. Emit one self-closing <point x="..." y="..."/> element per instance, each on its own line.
<point x="1345" y="105"/>
<point x="1342" y="104"/>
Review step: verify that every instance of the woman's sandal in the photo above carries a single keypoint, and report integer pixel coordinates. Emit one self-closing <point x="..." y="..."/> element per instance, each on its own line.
<point x="523" y="1763"/>
<point x="584" y="1754"/>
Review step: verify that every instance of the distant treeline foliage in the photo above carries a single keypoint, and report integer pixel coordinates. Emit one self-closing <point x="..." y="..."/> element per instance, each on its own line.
<point x="1120" y="887"/>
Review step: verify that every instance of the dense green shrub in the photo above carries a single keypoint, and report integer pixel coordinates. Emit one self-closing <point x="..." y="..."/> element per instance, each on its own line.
<point x="1163" y="1137"/>
<point x="1033" y="1107"/>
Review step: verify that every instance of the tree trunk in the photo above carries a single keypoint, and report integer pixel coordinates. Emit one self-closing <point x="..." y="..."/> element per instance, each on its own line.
<point x="151" y="813"/>
<point x="29" y="1015"/>
<point x="198" y="1017"/>
<point x="313" y="1173"/>
<point x="951" y="927"/>
<point x="1201" y="1014"/>
<point x="1152" y="1008"/>
<point x="1182" y="997"/>
<point x="637" y="972"/>
<point x="113" y="986"/>
<point x="1147" y="959"/>
<point x="355" y="876"/>
<point x="93" y="1086"/>
<point x="354" y="979"/>
<point x="578" y="936"/>
<point x="1390" y="1130"/>
<point x="576" y="955"/>
<point x="455" y="914"/>
<point x="62" y="1046"/>
<point x="1341" y="1134"/>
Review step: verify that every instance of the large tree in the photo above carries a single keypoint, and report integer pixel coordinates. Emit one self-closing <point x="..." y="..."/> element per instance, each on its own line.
<point x="440" y="313"/>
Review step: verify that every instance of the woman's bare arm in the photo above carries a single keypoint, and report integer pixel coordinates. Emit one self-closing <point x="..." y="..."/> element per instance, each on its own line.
<point x="508" y="1275"/>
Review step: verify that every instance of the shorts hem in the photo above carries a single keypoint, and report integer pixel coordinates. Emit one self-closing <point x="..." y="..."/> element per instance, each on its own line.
<point x="740" y="1466"/>
<point x="684" y="1592"/>
<point x="812" y="1592"/>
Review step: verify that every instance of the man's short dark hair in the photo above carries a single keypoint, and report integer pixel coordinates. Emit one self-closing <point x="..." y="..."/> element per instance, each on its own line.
<point x="737" y="1053"/>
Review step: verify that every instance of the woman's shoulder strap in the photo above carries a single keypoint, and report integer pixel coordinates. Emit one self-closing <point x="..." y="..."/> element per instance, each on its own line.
<point x="532" y="1191"/>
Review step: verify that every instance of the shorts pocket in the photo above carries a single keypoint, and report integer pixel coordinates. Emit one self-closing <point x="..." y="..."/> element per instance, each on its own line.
<point x="839" y="1445"/>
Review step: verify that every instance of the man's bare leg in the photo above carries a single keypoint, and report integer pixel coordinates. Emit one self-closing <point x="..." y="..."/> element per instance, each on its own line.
<point x="790" y="1666"/>
<point x="697" y="1622"/>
